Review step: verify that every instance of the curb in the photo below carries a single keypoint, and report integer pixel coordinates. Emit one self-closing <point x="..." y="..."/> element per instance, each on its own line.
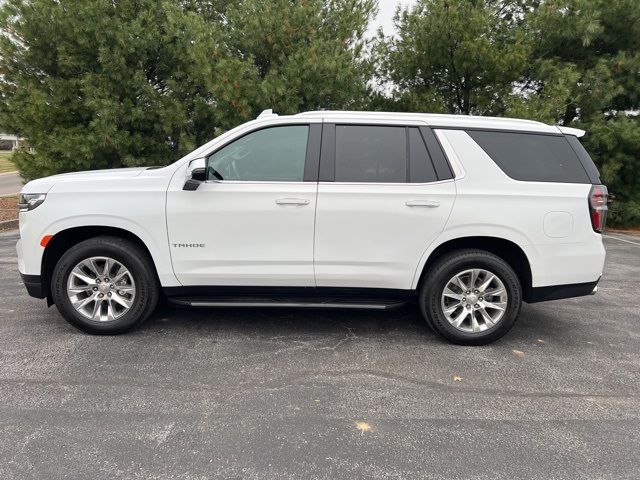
<point x="9" y="225"/>
<point x="9" y="173"/>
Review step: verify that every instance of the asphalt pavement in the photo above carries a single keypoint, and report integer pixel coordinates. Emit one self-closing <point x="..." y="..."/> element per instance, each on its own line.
<point x="10" y="183"/>
<point x="279" y="394"/>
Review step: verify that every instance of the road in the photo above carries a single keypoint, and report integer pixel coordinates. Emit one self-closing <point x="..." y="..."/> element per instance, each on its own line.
<point x="10" y="183"/>
<point x="277" y="394"/>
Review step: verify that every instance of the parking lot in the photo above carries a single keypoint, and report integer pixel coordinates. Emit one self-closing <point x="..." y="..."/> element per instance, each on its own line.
<point x="317" y="394"/>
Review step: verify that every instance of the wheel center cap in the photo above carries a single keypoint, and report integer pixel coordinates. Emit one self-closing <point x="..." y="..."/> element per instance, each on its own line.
<point x="472" y="298"/>
<point x="103" y="288"/>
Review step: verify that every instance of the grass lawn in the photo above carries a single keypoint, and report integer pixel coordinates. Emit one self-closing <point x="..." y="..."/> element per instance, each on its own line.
<point x="5" y="163"/>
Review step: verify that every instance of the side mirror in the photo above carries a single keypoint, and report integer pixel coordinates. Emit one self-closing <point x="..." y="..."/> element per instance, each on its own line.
<point x="196" y="174"/>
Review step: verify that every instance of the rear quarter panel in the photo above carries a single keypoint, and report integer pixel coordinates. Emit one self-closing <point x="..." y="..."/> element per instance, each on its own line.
<point x="549" y="221"/>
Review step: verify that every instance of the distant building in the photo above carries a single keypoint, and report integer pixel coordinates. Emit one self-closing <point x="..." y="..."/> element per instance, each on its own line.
<point x="10" y="142"/>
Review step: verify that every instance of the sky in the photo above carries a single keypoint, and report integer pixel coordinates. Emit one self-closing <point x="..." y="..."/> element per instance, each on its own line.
<point x="386" y="10"/>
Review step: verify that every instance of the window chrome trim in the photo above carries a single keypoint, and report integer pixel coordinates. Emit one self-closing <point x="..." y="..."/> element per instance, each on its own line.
<point x="259" y="182"/>
<point x="396" y="184"/>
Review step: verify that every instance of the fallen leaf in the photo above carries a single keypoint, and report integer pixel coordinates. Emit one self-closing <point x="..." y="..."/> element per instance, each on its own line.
<point x="457" y="378"/>
<point x="518" y="353"/>
<point x="363" y="427"/>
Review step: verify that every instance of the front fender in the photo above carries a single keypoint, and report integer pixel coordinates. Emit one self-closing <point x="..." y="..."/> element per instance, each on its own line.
<point x="154" y="238"/>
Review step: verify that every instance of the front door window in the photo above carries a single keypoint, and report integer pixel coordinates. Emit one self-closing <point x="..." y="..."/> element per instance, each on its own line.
<point x="275" y="154"/>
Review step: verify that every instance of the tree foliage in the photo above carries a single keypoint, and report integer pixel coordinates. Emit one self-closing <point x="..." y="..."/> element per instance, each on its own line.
<point x="586" y="73"/>
<point x="108" y="83"/>
<point x="302" y="55"/>
<point x="99" y="84"/>
<point x="570" y="62"/>
<point x="456" y="56"/>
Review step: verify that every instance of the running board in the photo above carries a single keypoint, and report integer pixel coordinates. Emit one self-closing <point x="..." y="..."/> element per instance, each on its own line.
<point x="253" y="302"/>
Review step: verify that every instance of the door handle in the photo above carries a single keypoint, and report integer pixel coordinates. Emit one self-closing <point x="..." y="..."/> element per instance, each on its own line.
<point x="422" y="203"/>
<point x="292" y="201"/>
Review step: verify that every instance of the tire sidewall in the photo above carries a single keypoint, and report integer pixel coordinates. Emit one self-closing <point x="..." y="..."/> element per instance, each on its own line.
<point x="97" y="248"/>
<point x="430" y="300"/>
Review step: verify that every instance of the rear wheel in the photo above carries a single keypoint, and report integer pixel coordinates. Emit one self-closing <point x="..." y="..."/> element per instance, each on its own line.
<point x="471" y="297"/>
<point x="105" y="285"/>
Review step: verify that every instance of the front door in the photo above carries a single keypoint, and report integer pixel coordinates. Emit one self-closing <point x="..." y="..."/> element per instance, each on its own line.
<point x="252" y="222"/>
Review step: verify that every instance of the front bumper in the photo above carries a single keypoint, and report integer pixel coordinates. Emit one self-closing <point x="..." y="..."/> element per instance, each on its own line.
<point x="34" y="285"/>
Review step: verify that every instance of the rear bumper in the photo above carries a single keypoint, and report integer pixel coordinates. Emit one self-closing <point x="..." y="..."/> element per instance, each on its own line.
<point x="34" y="285"/>
<point x="557" y="292"/>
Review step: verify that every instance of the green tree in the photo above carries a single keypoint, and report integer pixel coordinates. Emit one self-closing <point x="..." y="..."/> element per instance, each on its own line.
<point x="101" y="84"/>
<point x="110" y="83"/>
<point x="585" y="72"/>
<point x="456" y="56"/>
<point x="299" y="55"/>
<point x="570" y="62"/>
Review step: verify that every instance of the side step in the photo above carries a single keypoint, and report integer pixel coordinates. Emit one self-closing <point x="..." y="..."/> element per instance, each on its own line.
<point x="289" y="302"/>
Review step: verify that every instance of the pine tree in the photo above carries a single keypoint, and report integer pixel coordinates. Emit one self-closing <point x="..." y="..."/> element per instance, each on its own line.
<point x="455" y="56"/>
<point x="101" y="84"/>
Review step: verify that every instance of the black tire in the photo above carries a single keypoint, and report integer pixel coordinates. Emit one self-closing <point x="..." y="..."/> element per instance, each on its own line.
<point x="436" y="279"/>
<point x="127" y="253"/>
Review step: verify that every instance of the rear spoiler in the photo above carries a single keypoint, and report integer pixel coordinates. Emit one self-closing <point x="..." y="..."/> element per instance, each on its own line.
<point x="576" y="132"/>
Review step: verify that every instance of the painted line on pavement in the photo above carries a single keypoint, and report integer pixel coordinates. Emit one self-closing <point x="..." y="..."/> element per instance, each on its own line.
<point x="622" y="240"/>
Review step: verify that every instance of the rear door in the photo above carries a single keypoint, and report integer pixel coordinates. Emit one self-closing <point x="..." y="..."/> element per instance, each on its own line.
<point x="383" y="197"/>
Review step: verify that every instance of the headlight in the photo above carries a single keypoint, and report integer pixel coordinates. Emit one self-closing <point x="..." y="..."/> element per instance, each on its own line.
<point x="29" y="201"/>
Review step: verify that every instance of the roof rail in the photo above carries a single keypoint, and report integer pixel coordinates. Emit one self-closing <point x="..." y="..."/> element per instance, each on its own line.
<point x="267" y="113"/>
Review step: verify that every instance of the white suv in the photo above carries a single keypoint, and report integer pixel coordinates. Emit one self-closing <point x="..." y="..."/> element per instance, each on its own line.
<point x="467" y="215"/>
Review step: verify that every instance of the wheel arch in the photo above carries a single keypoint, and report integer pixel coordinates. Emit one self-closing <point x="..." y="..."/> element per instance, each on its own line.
<point x="507" y="250"/>
<point x="65" y="239"/>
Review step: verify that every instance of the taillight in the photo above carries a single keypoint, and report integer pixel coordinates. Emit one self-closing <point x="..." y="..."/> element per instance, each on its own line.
<point x="598" y="207"/>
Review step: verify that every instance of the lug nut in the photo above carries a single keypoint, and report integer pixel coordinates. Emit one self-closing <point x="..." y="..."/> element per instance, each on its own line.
<point x="120" y="292"/>
<point x="477" y="306"/>
<point x="476" y="291"/>
<point x="468" y="306"/>
<point x="106" y="280"/>
<point x="95" y="289"/>
<point x="97" y="280"/>
<point x="464" y="299"/>
<point x="480" y="299"/>
<point x="109" y="294"/>
<point x="100" y="295"/>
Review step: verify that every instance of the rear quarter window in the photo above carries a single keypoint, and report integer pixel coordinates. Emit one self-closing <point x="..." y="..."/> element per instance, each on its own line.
<point x="532" y="157"/>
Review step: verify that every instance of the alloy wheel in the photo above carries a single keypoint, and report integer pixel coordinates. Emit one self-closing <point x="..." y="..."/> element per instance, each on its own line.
<point x="101" y="289"/>
<point x="474" y="300"/>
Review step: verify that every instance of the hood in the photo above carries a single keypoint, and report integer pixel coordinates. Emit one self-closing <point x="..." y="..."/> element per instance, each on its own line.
<point x="43" y="185"/>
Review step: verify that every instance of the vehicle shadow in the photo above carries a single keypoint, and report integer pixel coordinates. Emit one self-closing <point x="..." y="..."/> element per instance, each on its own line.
<point x="535" y="322"/>
<point x="283" y="321"/>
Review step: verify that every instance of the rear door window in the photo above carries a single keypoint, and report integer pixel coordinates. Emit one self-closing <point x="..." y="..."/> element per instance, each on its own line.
<point x="371" y="154"/>
<point x="532" y="157"/>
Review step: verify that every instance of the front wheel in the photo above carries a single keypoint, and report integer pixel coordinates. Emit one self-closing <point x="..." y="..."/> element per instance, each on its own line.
<point x="105" y="285"/>
<point x="471" y="297"/>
